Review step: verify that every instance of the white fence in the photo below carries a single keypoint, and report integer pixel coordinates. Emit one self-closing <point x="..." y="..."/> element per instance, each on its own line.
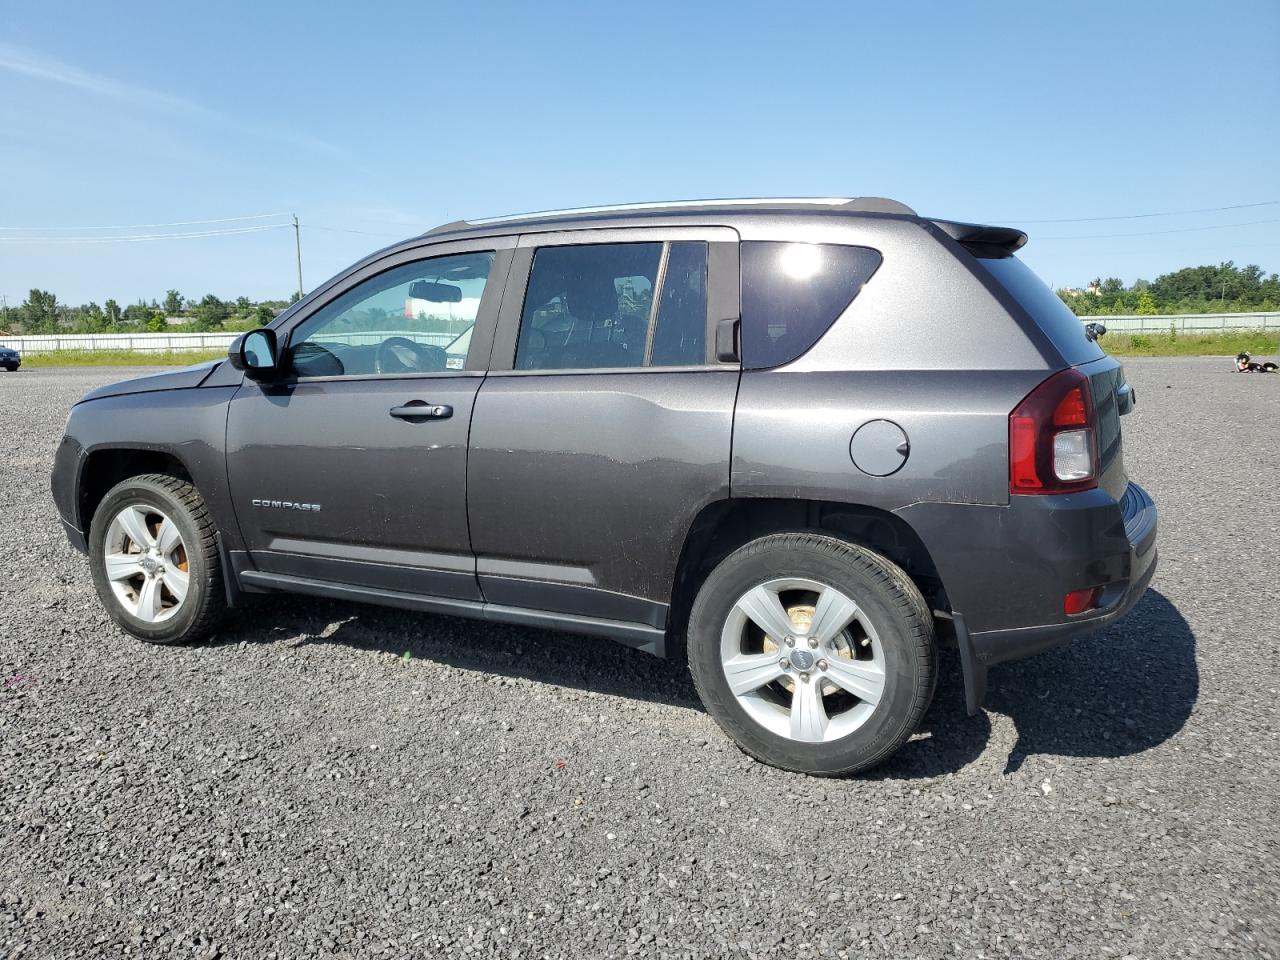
<point x="369" y="338"/>
<point x="180" y="342"/>
<point x="137" y="342"/>
<point x="1190" y="322"/>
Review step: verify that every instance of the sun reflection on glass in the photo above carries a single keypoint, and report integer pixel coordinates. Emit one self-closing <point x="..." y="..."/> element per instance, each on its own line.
<point x="800" y="261"/>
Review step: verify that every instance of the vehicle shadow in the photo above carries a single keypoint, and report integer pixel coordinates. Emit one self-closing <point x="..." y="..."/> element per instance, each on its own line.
<point x="546" y="656"/>
<point x="1122" y="691"/>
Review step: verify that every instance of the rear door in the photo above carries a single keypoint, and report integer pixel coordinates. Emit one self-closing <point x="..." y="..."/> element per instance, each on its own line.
<point x="351" y="468"/>
<point x="605" y="423"/>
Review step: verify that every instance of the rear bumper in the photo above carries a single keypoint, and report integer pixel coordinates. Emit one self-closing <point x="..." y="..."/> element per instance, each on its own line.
<point x="980" y="650"/>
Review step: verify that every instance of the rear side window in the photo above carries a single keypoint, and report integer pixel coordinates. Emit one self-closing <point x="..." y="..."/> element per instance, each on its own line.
<point x="588" y="306"/>
<point x="793" y="292"/>
<point x="598" y="306"/>
<point x="1055" y="318"/>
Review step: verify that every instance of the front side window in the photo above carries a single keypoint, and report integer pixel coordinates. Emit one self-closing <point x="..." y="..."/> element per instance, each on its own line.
<point x="597" y="306"/>
<point x="415" y="318"/>
<point x="793" y="292"/>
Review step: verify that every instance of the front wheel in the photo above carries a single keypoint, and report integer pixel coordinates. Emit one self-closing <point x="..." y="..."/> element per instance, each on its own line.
<point x="813" y="654"/>
<point x="153" y="551"/>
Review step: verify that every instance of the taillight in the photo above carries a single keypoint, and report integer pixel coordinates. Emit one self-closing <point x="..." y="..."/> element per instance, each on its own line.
<point x="1081" y="601"/>
<point x="1053" y="438"/>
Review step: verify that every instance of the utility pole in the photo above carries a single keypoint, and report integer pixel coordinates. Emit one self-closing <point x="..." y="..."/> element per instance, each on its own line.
<point x="297" y="243"/>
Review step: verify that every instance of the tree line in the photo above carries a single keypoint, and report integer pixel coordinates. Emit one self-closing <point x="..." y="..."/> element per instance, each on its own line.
<point x="42" y="313"/>
<point x="1225" y="288"/>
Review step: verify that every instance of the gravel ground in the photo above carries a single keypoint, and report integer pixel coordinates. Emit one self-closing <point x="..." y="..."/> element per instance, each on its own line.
<point x="338" y="780"/>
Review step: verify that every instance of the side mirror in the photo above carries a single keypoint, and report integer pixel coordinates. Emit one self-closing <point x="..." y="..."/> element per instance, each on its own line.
<point x="729" y="340"/>
<point x="1093" y="331"/>
<point x="255" y="353"/>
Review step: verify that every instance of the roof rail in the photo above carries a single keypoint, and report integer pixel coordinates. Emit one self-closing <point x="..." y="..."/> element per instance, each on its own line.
<point x="857" y="204"/>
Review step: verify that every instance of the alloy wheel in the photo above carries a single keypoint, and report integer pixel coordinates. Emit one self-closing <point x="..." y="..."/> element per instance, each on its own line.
<point x="146" y="563"/>
<point x="802" y="659"/>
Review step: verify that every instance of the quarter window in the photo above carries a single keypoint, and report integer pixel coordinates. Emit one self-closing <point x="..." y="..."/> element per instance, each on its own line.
<point x="415" y="318"/>
<point x="598" y="306"/>
<point x="793" y="292"/>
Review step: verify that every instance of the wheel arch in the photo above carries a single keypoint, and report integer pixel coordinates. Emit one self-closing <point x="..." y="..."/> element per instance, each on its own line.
<point x="104" y="467"/>
<point x="725" y="525"/>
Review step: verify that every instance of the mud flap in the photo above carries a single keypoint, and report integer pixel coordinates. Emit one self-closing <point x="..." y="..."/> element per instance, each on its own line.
<point x="975" y="671"/>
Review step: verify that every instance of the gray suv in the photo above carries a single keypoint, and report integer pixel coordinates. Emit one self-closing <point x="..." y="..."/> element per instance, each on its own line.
<point x="800" y="443"/>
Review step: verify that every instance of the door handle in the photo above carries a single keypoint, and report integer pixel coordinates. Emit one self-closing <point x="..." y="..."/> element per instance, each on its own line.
<point x="417" y="411"/>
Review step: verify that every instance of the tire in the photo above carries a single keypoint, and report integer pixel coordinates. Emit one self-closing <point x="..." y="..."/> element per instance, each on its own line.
<point x="147" y="604"/>
<point x="889" y="642"/>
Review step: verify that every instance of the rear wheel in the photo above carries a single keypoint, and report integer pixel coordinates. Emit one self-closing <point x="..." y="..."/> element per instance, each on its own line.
<point x="153" y="551"/>
<point x="813" y="654"/>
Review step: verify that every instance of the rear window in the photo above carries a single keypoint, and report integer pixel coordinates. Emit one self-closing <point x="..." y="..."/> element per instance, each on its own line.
<point x="793" y="292"/>
<point x="1060" y="325"/>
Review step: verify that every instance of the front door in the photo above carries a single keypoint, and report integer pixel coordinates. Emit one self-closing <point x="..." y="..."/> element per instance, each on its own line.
<point x="351" y="468"/>
<point x="604" y="425"/>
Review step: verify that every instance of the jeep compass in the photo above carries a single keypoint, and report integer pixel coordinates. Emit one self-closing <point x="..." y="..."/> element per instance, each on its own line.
<point x="798" y="443"/>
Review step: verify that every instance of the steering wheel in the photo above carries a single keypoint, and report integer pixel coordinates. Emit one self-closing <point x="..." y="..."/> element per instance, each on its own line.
<point x="400" y="355"/>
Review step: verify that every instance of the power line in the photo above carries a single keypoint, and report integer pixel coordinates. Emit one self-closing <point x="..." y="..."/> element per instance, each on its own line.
<point x="1156" y="233"/>
<point x="145" y="226"/>
<point x="184" y="236"/>
<point x="147" y="237"/>
<point x="363" y="233"/>
<point x="1144" y="216"/>
<point x="268" y="216"/>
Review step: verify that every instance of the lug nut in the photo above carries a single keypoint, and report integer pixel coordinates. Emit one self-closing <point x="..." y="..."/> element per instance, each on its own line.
<point x="783" y="663"/>
<point x="791" y="641"/>
<point x="804" y="677"/>
<point x="822" y="664"/>
<point x="813" y="642"/>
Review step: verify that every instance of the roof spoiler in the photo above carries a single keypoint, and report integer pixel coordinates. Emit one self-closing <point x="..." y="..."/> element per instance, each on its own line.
<point x="984" y="241"/>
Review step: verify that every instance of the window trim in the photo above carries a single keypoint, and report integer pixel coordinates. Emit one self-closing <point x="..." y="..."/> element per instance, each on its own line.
<point x="722" y="291"/>
<point x="588" y="371"/>
<point x="655" y="302"/>
<point x="503" y="249"/>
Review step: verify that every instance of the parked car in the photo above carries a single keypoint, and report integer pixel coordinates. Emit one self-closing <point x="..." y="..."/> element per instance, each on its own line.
<point x="10" y="359"/>
<point x="801" y="443"/>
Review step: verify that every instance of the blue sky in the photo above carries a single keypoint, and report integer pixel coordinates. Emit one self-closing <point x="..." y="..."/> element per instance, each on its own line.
<point x="384" y="119"/>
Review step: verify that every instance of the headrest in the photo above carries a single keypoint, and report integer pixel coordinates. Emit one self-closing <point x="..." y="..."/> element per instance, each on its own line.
<point x="592" y="298"/>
